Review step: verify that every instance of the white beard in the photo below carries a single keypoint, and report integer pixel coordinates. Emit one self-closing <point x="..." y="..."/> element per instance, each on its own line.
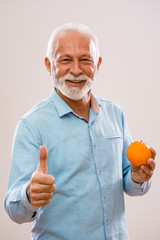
<point x="74" y="93"/>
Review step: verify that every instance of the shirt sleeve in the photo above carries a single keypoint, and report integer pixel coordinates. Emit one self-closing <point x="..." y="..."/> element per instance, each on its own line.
<point x="25" y="157"/>
<point x="130" y="187"/>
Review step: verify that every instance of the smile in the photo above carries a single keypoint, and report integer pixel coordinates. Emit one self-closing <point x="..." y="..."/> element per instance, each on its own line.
<point x="75" y="83"/>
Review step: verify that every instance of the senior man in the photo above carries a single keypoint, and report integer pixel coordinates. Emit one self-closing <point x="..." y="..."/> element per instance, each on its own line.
<point x="77" y="142"/>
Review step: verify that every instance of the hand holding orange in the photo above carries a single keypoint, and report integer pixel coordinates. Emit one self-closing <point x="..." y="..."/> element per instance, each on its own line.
<point x="138" y="153"/>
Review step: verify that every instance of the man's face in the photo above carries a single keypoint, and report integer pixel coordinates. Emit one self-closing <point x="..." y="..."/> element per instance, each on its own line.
<point x="74" y="64"/>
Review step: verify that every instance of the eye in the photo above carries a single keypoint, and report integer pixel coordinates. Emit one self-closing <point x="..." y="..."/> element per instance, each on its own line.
<point x="85" y="60"/>
<point x="65" y="60"/>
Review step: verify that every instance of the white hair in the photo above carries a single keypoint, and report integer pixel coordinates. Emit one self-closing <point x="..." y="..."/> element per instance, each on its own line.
<point x="70" y="27"/>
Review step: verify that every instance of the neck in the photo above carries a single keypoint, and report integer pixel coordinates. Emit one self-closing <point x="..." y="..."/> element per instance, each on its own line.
<point x="80" y="107"/>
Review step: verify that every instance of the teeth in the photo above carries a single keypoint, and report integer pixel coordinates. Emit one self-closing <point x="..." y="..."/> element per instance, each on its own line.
<point x="75" y="81"/>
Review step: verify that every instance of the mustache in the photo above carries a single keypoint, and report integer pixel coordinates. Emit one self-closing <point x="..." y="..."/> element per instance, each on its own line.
<point x="71" y="77"/>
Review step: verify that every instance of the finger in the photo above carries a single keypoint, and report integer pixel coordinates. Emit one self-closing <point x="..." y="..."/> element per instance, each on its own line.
<point x="147" y="170"/>
<point x="39" y="188"/>
<point x="41" y="196"/>
<point x="42" y="167"/>
<point x="151" y="163"/>
<point x="145" y="177"/>
<point x="40" y="203"/>
<point x="45" y="179"/>
<point x="153" y="151"/>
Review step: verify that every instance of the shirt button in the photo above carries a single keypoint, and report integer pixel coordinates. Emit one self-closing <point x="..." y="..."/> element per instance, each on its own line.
<point x="100" y="172"/>
<point x="106" y="222"/>
<point x="104" y="199"/>
<point x="94" y="146"/>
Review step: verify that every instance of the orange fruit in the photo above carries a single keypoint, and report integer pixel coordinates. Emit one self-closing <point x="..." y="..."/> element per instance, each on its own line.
<point x="138" y="153"/>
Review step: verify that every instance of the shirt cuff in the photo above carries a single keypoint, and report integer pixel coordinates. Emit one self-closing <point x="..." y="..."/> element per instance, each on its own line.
<point x="25" y="201"/>
<point x="134" y="188"/>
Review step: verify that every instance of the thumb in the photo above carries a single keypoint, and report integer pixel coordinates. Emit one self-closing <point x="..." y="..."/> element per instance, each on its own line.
<point x="42" y="167"/>
<point x="153" y="152"/>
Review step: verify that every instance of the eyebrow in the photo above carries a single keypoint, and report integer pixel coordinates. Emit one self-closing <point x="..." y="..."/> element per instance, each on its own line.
<point x="65" y="55"/>
<point x="68" y="55"/>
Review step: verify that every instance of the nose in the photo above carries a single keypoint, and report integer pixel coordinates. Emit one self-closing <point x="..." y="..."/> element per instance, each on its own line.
<point x="75" y="68"/>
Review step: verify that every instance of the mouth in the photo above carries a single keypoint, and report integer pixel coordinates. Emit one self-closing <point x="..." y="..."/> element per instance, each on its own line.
<point x="75" y="83"/>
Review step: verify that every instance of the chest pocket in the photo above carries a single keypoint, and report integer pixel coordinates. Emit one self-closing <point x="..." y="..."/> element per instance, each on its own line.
<point x="108" y="151"/>
<point x="113" y="137"/>
<point x="114" y="145"/>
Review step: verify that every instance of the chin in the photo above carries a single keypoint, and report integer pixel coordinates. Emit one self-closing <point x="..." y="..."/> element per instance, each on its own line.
<point x="74" y="93"/>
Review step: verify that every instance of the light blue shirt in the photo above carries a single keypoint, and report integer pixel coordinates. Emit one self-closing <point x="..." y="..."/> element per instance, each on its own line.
<point x="88" y="161"/>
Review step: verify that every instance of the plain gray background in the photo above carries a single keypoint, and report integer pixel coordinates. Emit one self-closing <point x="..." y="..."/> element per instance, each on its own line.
<point x="129" y="39"/>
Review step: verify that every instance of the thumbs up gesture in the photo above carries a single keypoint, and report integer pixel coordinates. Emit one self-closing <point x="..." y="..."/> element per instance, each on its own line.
<point x="41" y="187"/>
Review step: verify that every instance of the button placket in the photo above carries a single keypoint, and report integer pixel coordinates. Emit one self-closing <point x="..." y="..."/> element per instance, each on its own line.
<point x="99" y="172"/>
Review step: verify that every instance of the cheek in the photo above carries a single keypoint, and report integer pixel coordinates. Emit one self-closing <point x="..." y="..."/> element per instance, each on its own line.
<point x="61" y="70"/>
<point x="89" y="71"/>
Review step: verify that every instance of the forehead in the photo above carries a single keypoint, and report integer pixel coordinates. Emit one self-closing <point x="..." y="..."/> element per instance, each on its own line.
<point x="74" y="42"/>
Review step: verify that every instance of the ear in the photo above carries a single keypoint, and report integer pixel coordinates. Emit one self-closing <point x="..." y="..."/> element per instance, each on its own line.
<point x="99" y="63"/>
<point x="47" y="64"/>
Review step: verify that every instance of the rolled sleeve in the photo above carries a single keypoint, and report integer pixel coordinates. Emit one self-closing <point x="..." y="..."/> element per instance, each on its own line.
<point x="135" y="189"/>
<point x="25" y="152"/>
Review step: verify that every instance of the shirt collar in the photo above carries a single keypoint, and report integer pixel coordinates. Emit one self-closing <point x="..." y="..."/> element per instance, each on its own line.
<point x="63" y="108"/>
<point x="94" y="104"/>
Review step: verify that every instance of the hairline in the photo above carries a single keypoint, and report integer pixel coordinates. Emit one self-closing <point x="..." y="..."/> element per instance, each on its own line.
<point x="70" y="27"/>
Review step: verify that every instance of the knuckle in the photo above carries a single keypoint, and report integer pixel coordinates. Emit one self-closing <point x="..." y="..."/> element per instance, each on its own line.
<point x="47" y="202"/>
<point x="32" y="197"/>
<point x="48" y="196"/>
<point x="51" y="179"/>
<point x="32" y="188"/>
<point x="51" y="195"/>
<point x="34" y="203"/>
<point x="54" y="188"/>
<point x="35" y="177"/>
<point x="50" y="189"/>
